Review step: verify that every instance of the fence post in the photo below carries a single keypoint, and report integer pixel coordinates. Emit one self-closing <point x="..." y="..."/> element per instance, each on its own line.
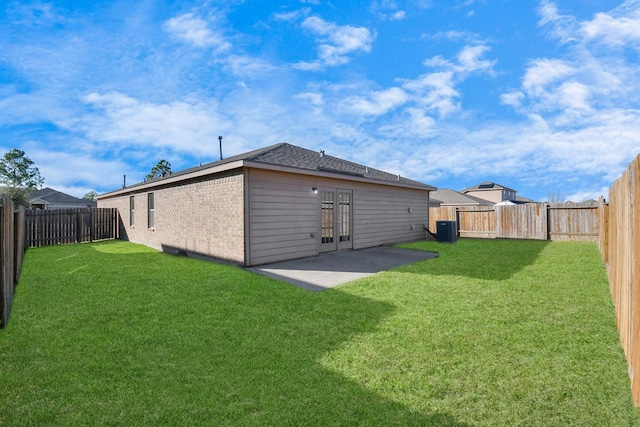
<point x="20" y="237"/>
<point x="548" y="213"/>
<point x="6" y="257"/>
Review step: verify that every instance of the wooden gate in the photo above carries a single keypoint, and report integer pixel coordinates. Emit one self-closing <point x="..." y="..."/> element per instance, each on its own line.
<point x="528" y="221"/>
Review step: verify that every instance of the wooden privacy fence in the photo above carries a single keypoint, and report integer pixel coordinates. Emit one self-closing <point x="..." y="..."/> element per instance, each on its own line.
<point x="11" y="253"/>
<point x="620" y="247"/>
<point x="58" y="226"/>
<point x="528" y="221"/>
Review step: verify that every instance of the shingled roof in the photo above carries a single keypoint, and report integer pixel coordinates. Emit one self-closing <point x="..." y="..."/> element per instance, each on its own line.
<point x="50" y="196"/>
<point x="292" y="156"/>
<point x="451" y="197"/>
<point x="487" y="185"/>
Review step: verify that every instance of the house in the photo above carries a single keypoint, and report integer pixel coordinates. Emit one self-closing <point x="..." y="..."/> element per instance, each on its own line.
<point x="491" y="191"/>
<point x="276" y="203"/>
<point x="48" y="198"/>
<point x="522" y="200"/>
<point x="448" y="197"/>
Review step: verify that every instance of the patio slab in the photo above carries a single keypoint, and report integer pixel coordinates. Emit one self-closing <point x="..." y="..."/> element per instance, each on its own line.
<point x="336" y="268"/>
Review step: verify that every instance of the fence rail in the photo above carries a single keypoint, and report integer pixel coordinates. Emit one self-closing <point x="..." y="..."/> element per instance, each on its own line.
<point x="620" y="247"/>
<point x="59" y="226"/>
<point x="529" y="221"/>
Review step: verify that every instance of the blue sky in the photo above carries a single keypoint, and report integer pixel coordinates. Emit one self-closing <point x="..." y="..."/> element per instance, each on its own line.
<point x="539" y="96"/>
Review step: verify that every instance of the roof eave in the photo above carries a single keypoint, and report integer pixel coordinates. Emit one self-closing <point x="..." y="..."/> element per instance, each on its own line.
<point x="256" y="165"/>
<point x="172" y="179"/>
<point x="327" y="174"/>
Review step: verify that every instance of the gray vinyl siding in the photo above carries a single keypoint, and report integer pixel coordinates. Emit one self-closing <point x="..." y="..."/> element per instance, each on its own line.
<point x="381" y="215"/>
<point x="284" y="214"/>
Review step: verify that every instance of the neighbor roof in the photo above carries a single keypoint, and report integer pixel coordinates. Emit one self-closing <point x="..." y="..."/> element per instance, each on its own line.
<point x="49" y="195"/>
<point x="291" y="156"/>
<point x="487" y="185"/>
<point x="452" y="197"/>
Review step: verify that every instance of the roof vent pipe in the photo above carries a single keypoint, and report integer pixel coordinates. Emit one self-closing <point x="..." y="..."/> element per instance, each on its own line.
<point x="321" y="153"/>
<point x="220" y="140"/>
<point x="124" y="181"/>
<point x="398" y="177"/>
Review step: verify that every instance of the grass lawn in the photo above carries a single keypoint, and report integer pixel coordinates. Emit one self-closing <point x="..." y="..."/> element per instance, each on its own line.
<point x="493" y="332"/>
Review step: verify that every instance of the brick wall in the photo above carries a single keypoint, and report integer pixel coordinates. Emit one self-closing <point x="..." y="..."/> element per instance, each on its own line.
<point x="204" y="217"/>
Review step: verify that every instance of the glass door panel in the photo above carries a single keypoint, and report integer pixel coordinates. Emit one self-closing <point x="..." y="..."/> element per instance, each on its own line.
<point x="327" y="221"/>
<point x="344" y="220"/>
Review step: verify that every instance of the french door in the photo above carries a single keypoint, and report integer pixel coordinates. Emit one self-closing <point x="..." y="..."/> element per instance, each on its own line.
<point x="336" y="219"/>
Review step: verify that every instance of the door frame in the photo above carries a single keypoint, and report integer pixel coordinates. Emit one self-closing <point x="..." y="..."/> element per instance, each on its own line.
<point x="337" y="215"/>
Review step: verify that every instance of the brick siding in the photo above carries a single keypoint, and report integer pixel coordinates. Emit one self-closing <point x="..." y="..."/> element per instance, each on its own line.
<point x="204" y="217"/>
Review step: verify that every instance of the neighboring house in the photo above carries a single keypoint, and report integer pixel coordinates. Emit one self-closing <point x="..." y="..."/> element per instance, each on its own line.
<point x="491" y="191"/>
<point x="448" y="197"/>
<point x="276" y="203"/>
<point x="521" y="199"/>
<point x="48" y="198"/>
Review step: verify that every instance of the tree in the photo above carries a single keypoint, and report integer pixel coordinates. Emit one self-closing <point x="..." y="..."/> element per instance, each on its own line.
<point x="555" y="197"/>
<point x="161" y="169"/>
<point x="91" y="195"/>
<point x="19" y="176"/>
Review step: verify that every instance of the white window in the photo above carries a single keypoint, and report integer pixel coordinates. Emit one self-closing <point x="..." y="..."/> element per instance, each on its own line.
<point x="132" y="211"/>
<point x="151" y="210"/>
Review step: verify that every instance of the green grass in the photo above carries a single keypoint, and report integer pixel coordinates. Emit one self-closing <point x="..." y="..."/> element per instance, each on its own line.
<point x="490" y="333"/>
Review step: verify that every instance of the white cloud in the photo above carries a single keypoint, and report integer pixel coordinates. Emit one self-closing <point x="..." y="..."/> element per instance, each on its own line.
<point x="435" y="92"/>
<point x="181" y="126"/>
<point x="562" y="27"/>
<point x="34" y="14"/>
<point x="378" y="102"/>
<point x="543" y="72"/>
<point x="612" y="31"/>
<point x="387" y="10"/>
<point x="584" y="195"/>
<point x="336" y="42"/>
<point x="469" y="59"/>
<point x="398" y="15"/>
<point x="291" y="16"/>
<point x="22" y="108"/>
<point x="430" y="94"/>
<point x="513" y="99"/>
<point x="196" y="31"/>
<point x="454" y="35"/>
<point x="247" y="66"/>
<point x="315" y="99"/>
<point x="576" y="87"/>
<point x="89" y="172"/>
<point x="414" y="123"/>
<point x="574" y="95"/>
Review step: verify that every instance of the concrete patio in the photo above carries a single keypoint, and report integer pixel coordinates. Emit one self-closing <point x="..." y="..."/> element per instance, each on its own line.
<point x="336" y="268"/>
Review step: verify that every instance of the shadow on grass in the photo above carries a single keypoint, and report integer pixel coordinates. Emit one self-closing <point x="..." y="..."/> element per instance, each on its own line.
<point x="114" y="333"/>
<point x="477" y="258"/>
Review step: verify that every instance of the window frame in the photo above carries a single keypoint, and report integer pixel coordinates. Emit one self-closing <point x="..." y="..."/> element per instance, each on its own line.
<point x="150" y="210"/>
<point x="132" y="211"/>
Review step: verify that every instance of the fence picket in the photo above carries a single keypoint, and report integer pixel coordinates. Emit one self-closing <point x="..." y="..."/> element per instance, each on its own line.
<point x="619" y="246"/>
<point x="59" y="226"/>
<point x="529" y="221"/>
